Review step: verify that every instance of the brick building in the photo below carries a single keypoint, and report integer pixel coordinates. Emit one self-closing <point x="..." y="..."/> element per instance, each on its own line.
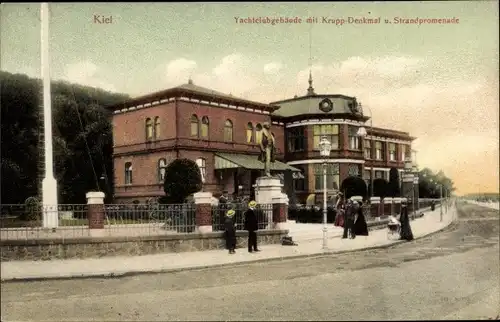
<point x="220" y="132"/>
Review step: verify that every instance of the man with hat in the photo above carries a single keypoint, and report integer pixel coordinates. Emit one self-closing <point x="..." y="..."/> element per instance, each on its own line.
<point x="252" y="225"/>
<point x="230" y="231"/>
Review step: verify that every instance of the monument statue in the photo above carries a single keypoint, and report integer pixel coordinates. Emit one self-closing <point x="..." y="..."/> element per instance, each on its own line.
<point x="267" y="148"/>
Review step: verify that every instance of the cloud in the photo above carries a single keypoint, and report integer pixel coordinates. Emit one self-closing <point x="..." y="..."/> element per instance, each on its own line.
<point x="179" y="69"/>
<point x="86" y="73"/>
<point x="272" y="68"/>
<point x="232" y="75"/>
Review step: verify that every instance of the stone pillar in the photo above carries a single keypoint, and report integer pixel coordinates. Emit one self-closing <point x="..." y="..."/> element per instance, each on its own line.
<point x="375" y="206"/>
<point x="203" y="202"/>
<point x="95" y="212"/>
<point x="397" y="205"/>
<point x="387" y="206"/>
<point x="267" y="191"/>
<point x="280" y="211"/>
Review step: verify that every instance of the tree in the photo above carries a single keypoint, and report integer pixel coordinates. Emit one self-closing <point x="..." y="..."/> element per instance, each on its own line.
<point x="380" y="188"/>
<point x="393" y="186"/>
<point x="82" y="138"/>
<point x="429" y="183"/>
<point x="353" y="186"/>
<point x="182" y="178"/>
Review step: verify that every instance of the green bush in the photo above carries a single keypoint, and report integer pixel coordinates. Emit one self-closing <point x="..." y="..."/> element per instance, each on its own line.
<point x="182" y="178"/>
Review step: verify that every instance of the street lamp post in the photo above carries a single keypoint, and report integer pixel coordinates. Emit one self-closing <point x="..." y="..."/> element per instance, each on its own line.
<point x="362" y="133"/>
<point x="440" y="202"/>
<point x="325" y="147"/>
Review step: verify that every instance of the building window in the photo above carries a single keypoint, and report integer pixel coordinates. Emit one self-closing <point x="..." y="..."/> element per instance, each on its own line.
<point x="203" y="168"/>
<point x="258" y="133"/>
<point x="228" y="131"/>
<point x="354" y="140"/>
<point x="162" y="165"/>
<point x="194" y="126"/>
<point x="379" y="150"/>
<point x="368" y="149"/>
<point x="299" y="179"/>
<point x="405" y="152"/>
<point x="332" y="176"/>
<point x="128" y="173"/>
<point x="392" y="151"/>
<point x="249" y="132"/>
<point x="157" y="128"/>
<point x="366" y="176"/>
<point x="204" y="127"/>
<point x="379" y="175"/>
<point x="330" y="131"/>
<point x="149" y="129"/>
<point x="354" y="170"/>
<point x="296" y="139"/>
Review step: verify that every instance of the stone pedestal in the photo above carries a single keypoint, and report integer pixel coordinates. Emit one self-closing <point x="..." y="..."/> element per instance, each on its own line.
<point x="387" y="206"/>
<point x="268" y="191"/>
<point x="375" y="206"/>
<point x="95" y="212"/>
<point x="397" y="205"/>
<point x="203" y="202"/>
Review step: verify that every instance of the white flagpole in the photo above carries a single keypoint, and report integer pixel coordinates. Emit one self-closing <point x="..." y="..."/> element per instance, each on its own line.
<point x="49" y="183"/>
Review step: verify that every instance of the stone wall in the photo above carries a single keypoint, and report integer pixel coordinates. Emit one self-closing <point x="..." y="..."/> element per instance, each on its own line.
<point x="87" y="247"/>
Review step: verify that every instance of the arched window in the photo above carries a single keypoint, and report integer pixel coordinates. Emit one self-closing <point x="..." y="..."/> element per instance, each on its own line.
<point x="203" y="168"/>
<point x="157" y="128"/>
<point x="162" y="165"/>
<point x="258" y="133"/>
<point x="250" y="136"/>
<point x="128" y="173"/>
<point x="228" y="131"/>
<point x="149" y="129"/>
<point x="194" y="125"/>
<point x="204" y="127"/>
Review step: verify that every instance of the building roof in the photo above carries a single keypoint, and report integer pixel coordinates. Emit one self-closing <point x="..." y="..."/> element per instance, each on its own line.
<point x="310" y="104"/>
<point x="198" y="92"/>
<point x="251" y="162"/>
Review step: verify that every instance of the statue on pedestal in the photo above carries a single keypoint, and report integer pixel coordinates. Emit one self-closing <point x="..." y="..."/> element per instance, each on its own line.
<point x="267" y="148"/>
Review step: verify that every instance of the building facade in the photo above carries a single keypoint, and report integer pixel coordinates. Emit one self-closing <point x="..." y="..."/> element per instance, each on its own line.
<point x="221" y="133"/>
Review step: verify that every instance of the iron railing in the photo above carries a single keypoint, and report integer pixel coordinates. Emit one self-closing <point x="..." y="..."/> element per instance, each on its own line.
<point x="26" y="221"/>
<point x="264" y="214"/>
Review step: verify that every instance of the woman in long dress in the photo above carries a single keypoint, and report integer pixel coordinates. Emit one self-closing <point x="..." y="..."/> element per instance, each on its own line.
<point x="360" y="226"/>
<point x="339" y="214"/>
<point x="406" y="232"/>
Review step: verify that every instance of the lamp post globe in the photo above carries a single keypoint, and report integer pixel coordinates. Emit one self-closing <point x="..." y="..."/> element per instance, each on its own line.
<point x="325" y="147"/>
<point x="361" y="132"/>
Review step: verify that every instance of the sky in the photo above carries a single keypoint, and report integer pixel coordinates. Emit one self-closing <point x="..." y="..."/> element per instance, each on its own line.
<point x="437" y="81"/>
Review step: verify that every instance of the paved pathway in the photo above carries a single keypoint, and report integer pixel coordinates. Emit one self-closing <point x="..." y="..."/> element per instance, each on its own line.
<point x="491" y="205"/>
<point x="116" y="266"/>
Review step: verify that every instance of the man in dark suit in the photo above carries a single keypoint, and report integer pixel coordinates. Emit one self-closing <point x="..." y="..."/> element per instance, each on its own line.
<point x="252" y="225"/>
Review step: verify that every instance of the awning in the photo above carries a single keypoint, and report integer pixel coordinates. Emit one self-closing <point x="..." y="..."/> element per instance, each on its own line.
<point x="250" y="162"/>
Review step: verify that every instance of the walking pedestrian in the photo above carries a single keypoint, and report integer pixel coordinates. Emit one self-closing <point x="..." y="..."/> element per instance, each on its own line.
<point x="406" y="232"/>
<point x="349" y="214"/>
<point x="360" y="226"/>
<point x="252" y="225"/>
<point x="230" y="231"/>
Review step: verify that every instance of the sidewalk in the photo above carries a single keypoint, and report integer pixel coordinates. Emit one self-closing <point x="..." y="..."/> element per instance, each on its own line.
<point x="491" y="205"/>
<point x="116" y="266"/>
<point x="308" y="232"/>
